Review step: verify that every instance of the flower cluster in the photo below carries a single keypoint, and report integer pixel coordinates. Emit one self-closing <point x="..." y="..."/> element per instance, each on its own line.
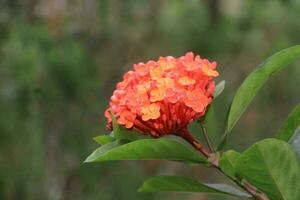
<point x="163" y="97"/>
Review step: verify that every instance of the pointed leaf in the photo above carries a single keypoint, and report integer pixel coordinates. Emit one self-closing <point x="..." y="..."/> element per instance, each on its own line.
<point x="252" y="84"/>
<point x="102" y="150"/>
<point x="183" y="184"/>
<point x="228" y="161"/>
<point x="104" y="139"/>
<point x="290" y="125"/>
<point x="271" y="166"/>
<point x="219" y="89"/>
<point x="147" y="149"/>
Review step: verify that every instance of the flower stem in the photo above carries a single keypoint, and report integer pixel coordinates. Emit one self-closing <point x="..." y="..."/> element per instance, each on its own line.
<point x="190" y="139"/>
<point x="204" y="131"/>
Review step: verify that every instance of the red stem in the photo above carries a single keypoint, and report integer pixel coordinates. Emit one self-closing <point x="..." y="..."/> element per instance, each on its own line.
<point x="189" y="138"/>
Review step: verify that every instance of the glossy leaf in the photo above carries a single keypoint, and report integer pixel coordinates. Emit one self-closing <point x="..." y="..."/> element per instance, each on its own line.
<point x="290" y="125"/>
<point x="147" y="149"/>
<point x="252" y="84"/>
<point x="104" y="139"/>
<point x="183" y="184"/>
<point x="228" y="161"/>
<point x="219" y="89"/>
<point x="271" y="166"/>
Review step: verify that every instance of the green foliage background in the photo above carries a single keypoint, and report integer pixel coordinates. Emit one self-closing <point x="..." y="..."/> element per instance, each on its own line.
<point x="60" y="60"/>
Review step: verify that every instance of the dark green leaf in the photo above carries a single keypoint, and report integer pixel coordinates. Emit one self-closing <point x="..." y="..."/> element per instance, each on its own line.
<point x="271" y="166"/>
<point x="252" y="84"/>
<point x="183" y="184"/>
<point x="219" y="89"/>
<point x="147" y="149"/>
<point x="290" y="125"/>
<point x="103" y="139"/>
<point x="228" y="162"/>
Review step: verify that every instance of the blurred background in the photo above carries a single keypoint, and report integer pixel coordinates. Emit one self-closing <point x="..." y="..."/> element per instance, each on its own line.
<point x="60" y="61"/>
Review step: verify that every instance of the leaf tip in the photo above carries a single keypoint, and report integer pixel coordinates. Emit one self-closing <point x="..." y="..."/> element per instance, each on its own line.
<point x="96" y="139"/>
<point x="144" y="188"/>
<point x="219" y="88"/>
<point x="88" y="160"/>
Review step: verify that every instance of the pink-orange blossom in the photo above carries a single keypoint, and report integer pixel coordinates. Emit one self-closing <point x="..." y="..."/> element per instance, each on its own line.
<point x="163" y="97"/>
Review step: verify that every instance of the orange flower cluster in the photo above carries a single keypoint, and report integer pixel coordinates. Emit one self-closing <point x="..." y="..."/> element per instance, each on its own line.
<point x="163" y="97"/>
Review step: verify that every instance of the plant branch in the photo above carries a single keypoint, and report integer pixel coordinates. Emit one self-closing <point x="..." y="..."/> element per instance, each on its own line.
<point x="250" y="189"/>
<point x="214" y="161"/>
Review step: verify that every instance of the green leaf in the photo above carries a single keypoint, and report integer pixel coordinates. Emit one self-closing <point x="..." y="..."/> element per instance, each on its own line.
<point x="229" y="190"/>
<point x="183" y="184"/>
<point x="295" y="142"/>
<point x="102" y="150"/>
<point x="271" y="166"/>
<point x="122" y="133"/>
<point x="147" y="149"/>
<point x="219" y="89"/>
<point x="104" y="139"/>
<point x="228" y="161"/>
<point x="290" y="125"/>
<point x="252" y="84"/>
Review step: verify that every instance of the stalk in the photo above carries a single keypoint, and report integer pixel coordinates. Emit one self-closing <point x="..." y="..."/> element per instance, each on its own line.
<point x="214" y="161"/>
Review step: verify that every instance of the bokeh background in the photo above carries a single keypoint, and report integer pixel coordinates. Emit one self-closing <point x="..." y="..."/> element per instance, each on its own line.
<point x="60" y="60"/>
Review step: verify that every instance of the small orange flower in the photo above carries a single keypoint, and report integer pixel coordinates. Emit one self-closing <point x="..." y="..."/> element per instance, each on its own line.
<point x="157" y="94"/>
<point x="185" y="80"/>
<point x="126" y="118"/>
<point x="209" y="72"/>
<point x="150" y="112"/>
<point x="143" y="88"/>
<point x="166" y="63"/>
<point x="197" y="100"/>
<point x="156" y="73"/>
<point x="163" y="97"/>
<point x="165" y="83"/>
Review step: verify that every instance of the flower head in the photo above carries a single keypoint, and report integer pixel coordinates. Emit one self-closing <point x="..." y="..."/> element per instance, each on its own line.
<point x="162" y="97"/>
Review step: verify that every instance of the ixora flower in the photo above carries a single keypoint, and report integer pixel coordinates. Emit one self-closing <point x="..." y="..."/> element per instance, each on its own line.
<point x="162" y="97"/>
